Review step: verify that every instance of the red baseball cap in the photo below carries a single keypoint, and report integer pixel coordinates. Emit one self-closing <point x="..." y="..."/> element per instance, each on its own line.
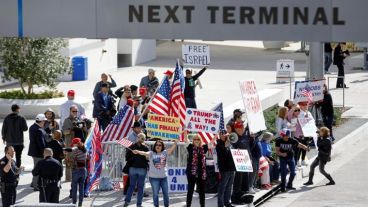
<point x="168" y="73"/>
<point x="76" y="141"/>
<point x="130" y="102"/>
<point x="238" y="125"/>
<point x="71" y="93"/>
<point x="142" y="90"/>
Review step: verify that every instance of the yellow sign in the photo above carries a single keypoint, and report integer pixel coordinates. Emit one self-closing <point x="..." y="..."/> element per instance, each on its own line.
<point x="163" y="127"/>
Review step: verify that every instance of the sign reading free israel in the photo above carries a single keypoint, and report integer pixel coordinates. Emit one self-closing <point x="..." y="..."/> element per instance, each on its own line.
<point x="312" y="20"/>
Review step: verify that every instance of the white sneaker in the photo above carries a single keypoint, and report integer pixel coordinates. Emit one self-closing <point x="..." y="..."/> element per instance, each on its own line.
<point x="251" y="191"/>
<point x="299" y="165"/>
<point x="256" y="189"/>
<point x="304" y="163"/>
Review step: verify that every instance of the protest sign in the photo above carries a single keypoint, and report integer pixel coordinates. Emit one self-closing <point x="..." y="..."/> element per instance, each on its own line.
<point x="202" y="121"/>
<point x="252" y="105"/>
<point x="284" y="71"/>
<point x="241" y="160"/>
<point x="196" y="55"/>
<point x="163" y="127"/>
<point x="178" y="182"/>
<point x="302" y="88"/>
<point x="308" y="126"/>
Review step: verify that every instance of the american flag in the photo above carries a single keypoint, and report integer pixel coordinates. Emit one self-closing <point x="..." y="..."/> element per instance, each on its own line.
<point x="308" y="93"/>
<point x="94" y="165"/>
<point x="125" y="142"/>
<point x="207" y="137"/>
<point x="116" y="185"/>
<point x="177" y="103"/>
<point x="120" y="126"/>
<point x="160" y="102"/>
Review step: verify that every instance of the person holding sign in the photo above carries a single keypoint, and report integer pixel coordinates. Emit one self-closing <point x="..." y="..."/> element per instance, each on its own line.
<point x="137" y="168"/>
<point x="158" y="170"/>
<point x="226" y="169"/>
<point x="196" y="169"/>
<point x="189" y="90"/>
<point x="324" y="155"/>
<point x="285" y="150"/>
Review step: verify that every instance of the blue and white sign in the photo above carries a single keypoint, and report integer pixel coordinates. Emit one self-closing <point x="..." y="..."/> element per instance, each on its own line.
<point x="177" y="179"/>
<point x="303" y="88"/>
<point x="241" y="160"/>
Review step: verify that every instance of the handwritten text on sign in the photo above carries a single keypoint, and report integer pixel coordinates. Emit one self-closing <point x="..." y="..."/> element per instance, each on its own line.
<point x="252" y="105"/>
<point x="241" y="160"/>
<point x="196" y="55"/>
<point x="163" y="127"/>
<point x="315" y="87"/>
<point x="202" y="121"/>
<point x="177" y="178"/>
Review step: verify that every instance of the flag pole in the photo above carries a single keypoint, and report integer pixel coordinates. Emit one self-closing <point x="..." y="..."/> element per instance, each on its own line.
<point x="149" y="103"/>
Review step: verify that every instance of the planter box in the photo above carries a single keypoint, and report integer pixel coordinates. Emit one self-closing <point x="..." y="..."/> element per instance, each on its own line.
<point x="31" y="107"/>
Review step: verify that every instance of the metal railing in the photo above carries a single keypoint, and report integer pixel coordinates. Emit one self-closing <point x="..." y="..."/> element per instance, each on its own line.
<point x="343" y="88"/>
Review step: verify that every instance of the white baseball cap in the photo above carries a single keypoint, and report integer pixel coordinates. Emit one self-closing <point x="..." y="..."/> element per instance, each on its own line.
<point x="41" y="117"/>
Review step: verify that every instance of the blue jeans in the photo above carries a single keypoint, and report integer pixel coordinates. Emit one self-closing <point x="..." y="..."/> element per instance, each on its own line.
<point x="224" y="188"/>
<point x="274" y="171"/>
<point x="284" y="162"/>
<point x="137" y="177"/>
<point x="156" y="184"/>
<point x="78" y="177"/>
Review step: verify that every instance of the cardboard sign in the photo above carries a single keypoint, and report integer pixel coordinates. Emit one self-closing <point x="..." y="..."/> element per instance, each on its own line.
<point x="202" y="121"/>
<point x="196" y="55"/>
<point x="177" y="179"/>
<point x="284" y="70"/>
<point x="241" y="160"/>
<point x="308" y="126"/>
<point x="315" y="87"/>
<point x="252" y="105"/>
<point x="163" y="127"/>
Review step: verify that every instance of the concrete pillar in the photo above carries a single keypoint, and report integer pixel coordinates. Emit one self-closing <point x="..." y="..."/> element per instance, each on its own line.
<point x="135" y="51"/>
<point x="316" y="61"/>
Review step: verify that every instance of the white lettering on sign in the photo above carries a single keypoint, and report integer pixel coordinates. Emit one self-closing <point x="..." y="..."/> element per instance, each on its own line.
<point x="196" y="55"/>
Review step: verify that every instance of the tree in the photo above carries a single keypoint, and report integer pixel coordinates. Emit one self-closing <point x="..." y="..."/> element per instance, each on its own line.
<point x="33" y="61"/>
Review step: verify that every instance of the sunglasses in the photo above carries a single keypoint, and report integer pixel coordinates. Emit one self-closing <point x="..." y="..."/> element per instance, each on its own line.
<point x="158" y="145"/>
<point x="297" y="110"/>
<point x="74" y="111"/>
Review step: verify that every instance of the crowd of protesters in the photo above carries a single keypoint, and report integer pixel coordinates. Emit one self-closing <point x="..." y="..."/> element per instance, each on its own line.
<point x="53" y="144"/>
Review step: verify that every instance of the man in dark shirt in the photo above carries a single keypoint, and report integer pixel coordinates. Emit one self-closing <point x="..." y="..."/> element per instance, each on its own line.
<point x="328" y="56"/>
<point x="285" y="150"/>
<point x="9" y="174"/>
<point x="327" y="110"/>
<point x="50" y="172"/>
<point x="339" y="56"/>
<point x="189" y="90"/>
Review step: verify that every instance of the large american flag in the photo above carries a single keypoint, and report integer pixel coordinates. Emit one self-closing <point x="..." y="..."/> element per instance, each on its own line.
<point x="94" y="165"/>
<point x="177" y="103"/>
<point x="308" y="93"/>
<point x="125" y="142"/>
<point x="160" y="102"/>
<point x="120" y="126"/>
<point x="208" y="137"/>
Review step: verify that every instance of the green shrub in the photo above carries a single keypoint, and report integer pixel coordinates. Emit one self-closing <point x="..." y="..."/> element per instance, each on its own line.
<point x="18" y="94"/>
<point x="270" y="115"/>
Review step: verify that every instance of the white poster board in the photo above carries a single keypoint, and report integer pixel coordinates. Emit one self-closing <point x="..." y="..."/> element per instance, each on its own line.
<point x="252" y="105"/>
<point x="315" y="87"/>
<point x="202" y="121"/>
<point x="284" y="70"/>
<point x="177" y="179"/>
<point x="242" y="161"/>
<point x="308" y="126"/>
<point x="196" y="55"/>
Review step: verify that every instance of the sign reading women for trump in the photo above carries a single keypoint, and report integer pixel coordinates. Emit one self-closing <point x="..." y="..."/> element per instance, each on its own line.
<point x="202" y="121"/>
<point x="308" y="91"/>
<point x="196" y="55"/>
<point x="241" y="160"/>
<point x="163" y="127"/>
<point x="253" y="107"/>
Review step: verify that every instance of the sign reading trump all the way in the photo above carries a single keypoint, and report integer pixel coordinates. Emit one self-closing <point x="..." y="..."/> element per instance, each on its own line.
<point x="202" y="121"/>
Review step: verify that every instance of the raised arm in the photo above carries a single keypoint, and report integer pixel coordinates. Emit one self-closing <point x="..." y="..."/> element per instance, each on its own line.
<point x="172" y="148"/>
<point x="196" y="76"/>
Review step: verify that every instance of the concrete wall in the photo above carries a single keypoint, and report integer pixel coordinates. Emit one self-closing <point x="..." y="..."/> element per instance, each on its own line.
<point x="139" y="50"/>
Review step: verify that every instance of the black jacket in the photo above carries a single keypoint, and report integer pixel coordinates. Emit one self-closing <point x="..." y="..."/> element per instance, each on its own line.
<point x="327" y="106"/>
<point x="57" y="149"/>
<point x="13" y="127"/>
<point x="324" y="149"/>
<point x="190" y="159"/>
<point x="224" y="158"/>
<point x="54" y="170"/>
<point x="189" y="90"/>
<point x="137" y="161"/>
<point x="100" y="109"/>
<point x="37" y="141"/>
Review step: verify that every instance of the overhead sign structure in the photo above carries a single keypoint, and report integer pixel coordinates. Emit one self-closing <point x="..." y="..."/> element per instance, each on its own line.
<point x="202" y="121"/>
<point x="285" y="20"/>
<point x="284" y="71"/>
<point x="303" y="88"/>
<point x="196" y="55"/>
<point x="252" y="105"/>
<point x="163" y="127"/>
<point x="241" y="160"/>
